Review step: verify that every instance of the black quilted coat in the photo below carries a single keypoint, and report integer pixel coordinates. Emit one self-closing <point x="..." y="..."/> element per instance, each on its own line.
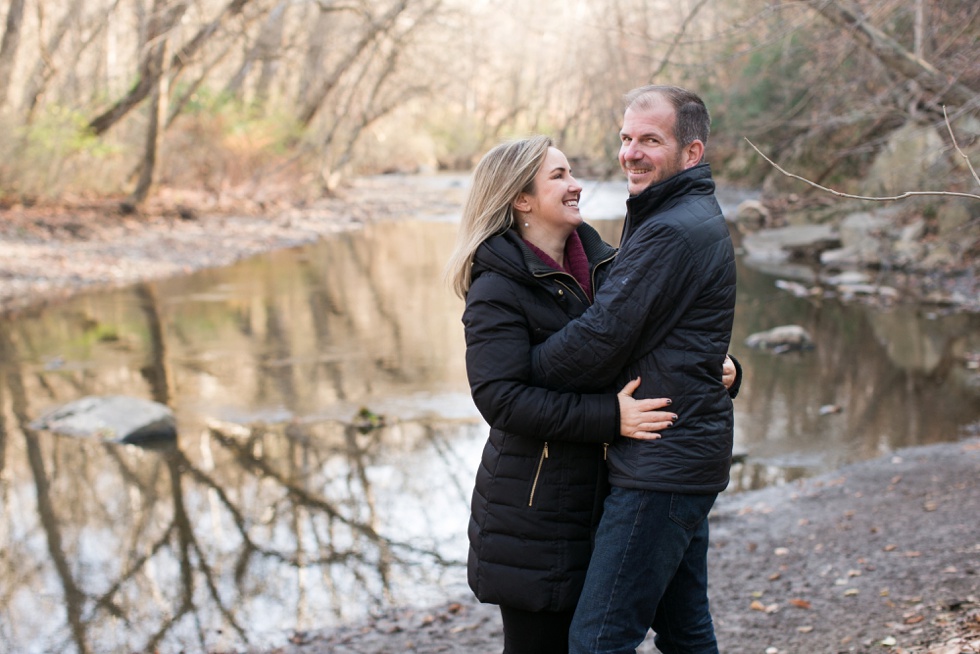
<point x="540" y="485"/>
<point x="664" y="314"/>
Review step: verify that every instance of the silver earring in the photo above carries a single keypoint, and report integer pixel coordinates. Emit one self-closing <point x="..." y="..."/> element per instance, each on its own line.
<point x="526" y="225"/>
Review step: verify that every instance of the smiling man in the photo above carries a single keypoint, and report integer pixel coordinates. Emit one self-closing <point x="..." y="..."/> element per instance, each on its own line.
<point x="664" y="315"/>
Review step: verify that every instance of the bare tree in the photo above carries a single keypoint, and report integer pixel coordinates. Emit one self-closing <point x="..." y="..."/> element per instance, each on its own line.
<point x="149" y="72"/>
<point x="9" y="46"/>
<point x="942" y="87"/>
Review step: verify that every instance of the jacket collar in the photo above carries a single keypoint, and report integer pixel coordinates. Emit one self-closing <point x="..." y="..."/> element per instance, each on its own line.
<point x="693" y="181"/>
<point x="508" y="255"/>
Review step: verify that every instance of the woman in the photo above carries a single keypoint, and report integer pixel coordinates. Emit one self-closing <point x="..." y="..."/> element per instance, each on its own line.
<point x="526" y="265"/>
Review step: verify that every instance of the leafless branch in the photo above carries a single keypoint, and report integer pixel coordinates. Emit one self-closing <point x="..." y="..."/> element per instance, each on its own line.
<point x="956" y="145"/>
<point x="839" y="194"/>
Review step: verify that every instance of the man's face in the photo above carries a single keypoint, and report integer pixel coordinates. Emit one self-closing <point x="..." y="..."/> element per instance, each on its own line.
<point x="648" y="151"/>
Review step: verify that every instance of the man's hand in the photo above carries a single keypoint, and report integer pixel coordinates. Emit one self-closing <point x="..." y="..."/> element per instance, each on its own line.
<point x="728" y="372"/>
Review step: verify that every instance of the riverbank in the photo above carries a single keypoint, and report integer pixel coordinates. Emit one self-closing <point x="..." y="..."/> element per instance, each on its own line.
<point x="880" y="556"/>
<point x="51" y="252"/>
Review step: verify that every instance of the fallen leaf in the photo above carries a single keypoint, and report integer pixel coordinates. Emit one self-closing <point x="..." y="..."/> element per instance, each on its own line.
<point x="800" y="603"/>
<point x="890" y="548"/>
<point x="850" y="592"/>
<point x="756" y="605"/>
<point x="804" y="629"/>
<point x="774" y="576"/>
<point x="781" y="551"/>
<point x="930" y="506"/>
<point x="913" y="554"/>
<point x="889" y="642"/>
<point x="914" y="619"/>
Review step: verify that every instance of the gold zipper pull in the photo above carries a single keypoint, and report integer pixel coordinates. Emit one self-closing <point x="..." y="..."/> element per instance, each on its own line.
<point x="546" y="450"/>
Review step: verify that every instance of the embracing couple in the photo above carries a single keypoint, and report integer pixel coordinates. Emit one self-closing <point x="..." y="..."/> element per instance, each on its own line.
<point x="603" y="374"/>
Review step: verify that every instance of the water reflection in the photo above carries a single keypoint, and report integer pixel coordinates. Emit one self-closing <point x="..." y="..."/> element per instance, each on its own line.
<point x="274" y="511"/>
<point x="878" y="380"/>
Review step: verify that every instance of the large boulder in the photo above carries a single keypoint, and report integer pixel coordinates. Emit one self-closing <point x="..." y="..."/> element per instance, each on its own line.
<point x="116" y="418"/>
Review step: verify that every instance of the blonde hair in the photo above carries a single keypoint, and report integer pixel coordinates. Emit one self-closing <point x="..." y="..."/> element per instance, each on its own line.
<point x="503" y="173"/>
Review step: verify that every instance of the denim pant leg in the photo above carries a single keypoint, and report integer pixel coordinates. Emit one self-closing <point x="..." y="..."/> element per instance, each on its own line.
<point x="642" y="541"/>
<point x="683" y="622"/>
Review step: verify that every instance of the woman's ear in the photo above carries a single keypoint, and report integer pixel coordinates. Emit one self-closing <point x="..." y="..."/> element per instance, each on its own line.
<point x="521" y="203"/>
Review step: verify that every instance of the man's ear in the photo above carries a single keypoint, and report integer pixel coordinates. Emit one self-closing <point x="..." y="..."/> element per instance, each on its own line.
<point x="693" y="152"/>
<point x="522" y="203"/>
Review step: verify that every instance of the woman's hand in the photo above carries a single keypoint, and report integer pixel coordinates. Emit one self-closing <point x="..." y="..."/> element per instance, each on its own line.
<point x="728" y="372"/>
<point x="639" y="418"/>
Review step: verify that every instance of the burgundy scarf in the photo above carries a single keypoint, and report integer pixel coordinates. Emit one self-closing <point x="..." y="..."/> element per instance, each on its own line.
<point x="576" y="263"/>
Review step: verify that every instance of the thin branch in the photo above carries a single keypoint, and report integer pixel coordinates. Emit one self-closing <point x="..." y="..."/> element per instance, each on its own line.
<point x="956" y="145"/>
<point x="907" y="194"/>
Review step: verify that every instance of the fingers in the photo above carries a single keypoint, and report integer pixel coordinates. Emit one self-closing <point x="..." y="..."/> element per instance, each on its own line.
<point x="653" y="403"/>
<point x="630" y="387"/>
<point x="649" y="425"/>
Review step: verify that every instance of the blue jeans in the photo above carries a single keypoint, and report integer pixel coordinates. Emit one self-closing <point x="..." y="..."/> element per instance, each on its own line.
<point x="649" y="568"/>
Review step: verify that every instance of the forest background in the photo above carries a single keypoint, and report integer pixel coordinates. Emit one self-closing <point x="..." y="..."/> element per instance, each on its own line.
<point x="246" y="104"/>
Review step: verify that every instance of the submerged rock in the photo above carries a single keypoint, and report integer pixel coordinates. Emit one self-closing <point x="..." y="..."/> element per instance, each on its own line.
<point x="116" y="418"/>
<point x="781" y="339"/>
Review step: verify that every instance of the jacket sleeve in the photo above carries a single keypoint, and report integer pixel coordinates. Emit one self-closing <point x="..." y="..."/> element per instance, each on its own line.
<point x="647" y="291"/>
<point x="498" y="365"/>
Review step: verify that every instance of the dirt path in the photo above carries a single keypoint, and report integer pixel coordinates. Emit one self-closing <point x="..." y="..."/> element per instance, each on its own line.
<point x="880" y="556"/>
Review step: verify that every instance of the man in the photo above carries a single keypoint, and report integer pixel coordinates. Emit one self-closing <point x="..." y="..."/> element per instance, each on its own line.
<point x="664" y="314"/>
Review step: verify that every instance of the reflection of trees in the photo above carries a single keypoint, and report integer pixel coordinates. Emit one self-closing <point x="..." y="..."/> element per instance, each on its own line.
<point x="45" y="506"/>
<point x="162" y="567"/>
<point x="892" y="373"/>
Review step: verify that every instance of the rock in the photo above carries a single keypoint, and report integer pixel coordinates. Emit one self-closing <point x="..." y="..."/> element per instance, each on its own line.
<point x="115" y="418"/>
<point x="912" y="160"/>
<point x="781" y="339"/>
<point x="752" y="215"/>
<point x="799" y="242"/>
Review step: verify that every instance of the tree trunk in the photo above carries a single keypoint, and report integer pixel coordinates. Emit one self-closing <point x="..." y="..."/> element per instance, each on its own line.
<point x="9" y="45"/>
<point x="944" y="88"/>
<point x="43" y="70"/>
<point x="156" y="55"/>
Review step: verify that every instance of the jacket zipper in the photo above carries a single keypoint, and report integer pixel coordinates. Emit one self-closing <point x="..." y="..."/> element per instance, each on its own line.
<point x="605" y="450"/>
<point x="596" y="267"/>
<point x="537" y="475"/>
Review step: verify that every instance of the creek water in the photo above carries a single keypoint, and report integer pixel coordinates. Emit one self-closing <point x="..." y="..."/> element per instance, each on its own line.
<point x="327" y="442"/>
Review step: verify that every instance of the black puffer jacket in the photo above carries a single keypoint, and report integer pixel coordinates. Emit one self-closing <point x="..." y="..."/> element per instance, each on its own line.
<point x="665" y="314"/>
<point x="538" y="496"/>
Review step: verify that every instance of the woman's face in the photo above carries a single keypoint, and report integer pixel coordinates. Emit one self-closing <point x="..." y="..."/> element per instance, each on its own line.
<point x="554" y="201"/>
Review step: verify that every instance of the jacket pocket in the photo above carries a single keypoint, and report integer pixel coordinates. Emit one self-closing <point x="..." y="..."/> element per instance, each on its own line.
<point x="537" y="474"/>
